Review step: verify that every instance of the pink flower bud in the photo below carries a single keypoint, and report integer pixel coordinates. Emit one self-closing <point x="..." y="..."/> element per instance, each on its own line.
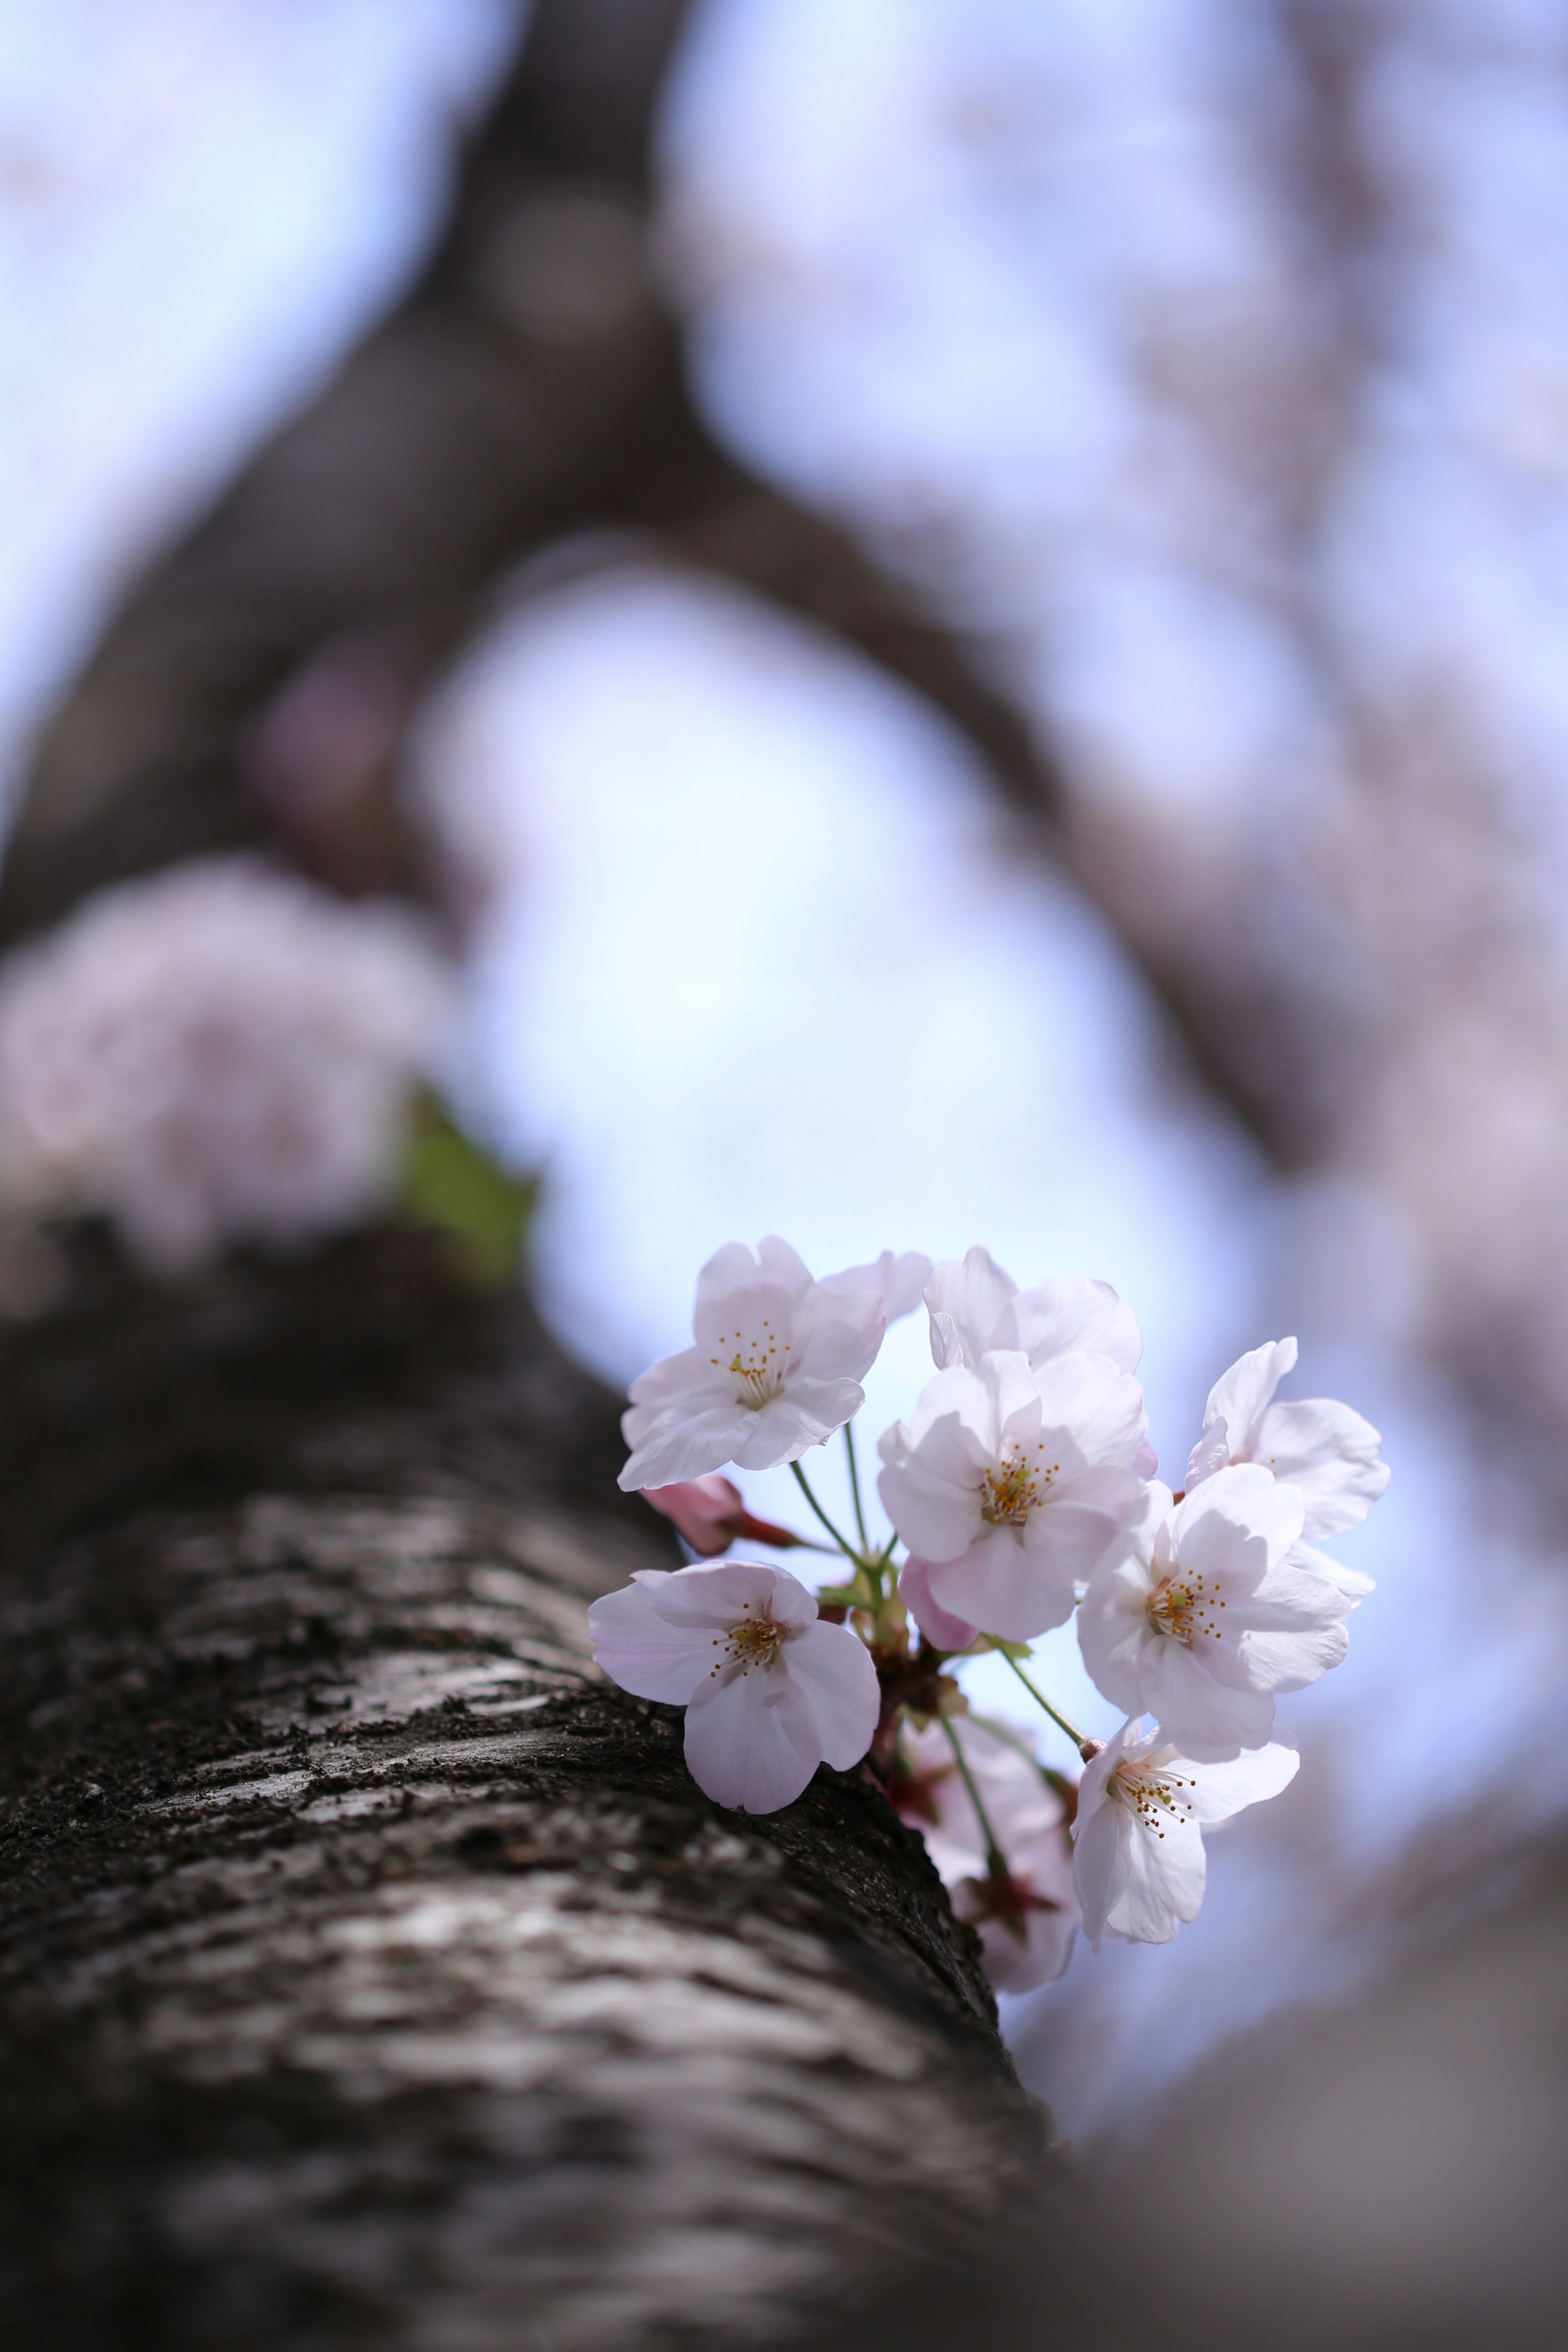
<point x="709" y="1514"/>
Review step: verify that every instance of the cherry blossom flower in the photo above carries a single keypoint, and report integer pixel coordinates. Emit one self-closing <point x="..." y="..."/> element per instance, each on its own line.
<point x="976" y="1307"/>
<point x="709" y="1514"/>
<point x="1324" y="1448"/>
<point x="1200" y="1615"/>
<point x="775" y="1370"/>
<point x="1139" y="1862"/>
<point x="1028" y="1915"/>
<point x="940" y="1628"/>
<point x="900" y="1280"/>
<point x="1010" y="1483"/>
<point x="221" y="1053"/>
<point x="771" y="1690"/>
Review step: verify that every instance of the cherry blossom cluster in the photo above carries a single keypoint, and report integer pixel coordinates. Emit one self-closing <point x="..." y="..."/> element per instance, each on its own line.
<point x="1022" y="1493"/>
<point x="221" y="1053"/>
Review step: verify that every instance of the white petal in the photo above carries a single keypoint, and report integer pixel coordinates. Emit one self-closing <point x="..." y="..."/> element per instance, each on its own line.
<point x="1094" y="1405"/>
<point x="643" y="1651"/>
<point x="1207" y="1720"/>
<point x="1161" y="1875"/>
<point x="1066" y="1317"/>
<point x="1240" y="1395"/>
<point x="1210" y="1454"/>
<point x="1237" y="1525"/>
<point x="1348" y="1581"/>
<point x="1256" y="1774"/>
<point x="832" y="1667"/>
<point x="966" y="1298"/>
<point x="751" y="1740"/>
<point x="1331" y="1454"/>
<point x="1097" y="1864"/>
<point x="837" y="1333"/>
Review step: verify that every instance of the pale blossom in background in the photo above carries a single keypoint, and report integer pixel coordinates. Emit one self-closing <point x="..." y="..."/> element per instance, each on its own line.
<point x="1138" y="1863"/>
<point x="1010" y="1483"/>
<point x="710" y="1514"/>
<point x="1029" y="1820"/>
<point x="1202" y="1613"/>
<point x="776" y="1368"/>
<point x="221" y="1054"/>
<point x="770" y="1689"/>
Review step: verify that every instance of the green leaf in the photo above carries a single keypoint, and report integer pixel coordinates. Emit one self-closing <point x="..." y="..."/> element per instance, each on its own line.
<point x="450" y="1183"/>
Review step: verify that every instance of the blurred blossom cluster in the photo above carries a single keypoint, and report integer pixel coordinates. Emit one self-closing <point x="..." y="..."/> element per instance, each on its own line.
<point x="1021" y="1491"/>
<point x="221" y="1054"/>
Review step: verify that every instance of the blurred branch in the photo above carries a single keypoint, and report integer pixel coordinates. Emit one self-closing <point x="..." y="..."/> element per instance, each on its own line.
<point x="529" y="386"/>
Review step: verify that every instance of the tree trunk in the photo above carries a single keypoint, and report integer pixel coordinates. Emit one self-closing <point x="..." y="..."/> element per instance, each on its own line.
<point x="375" y="1972"/>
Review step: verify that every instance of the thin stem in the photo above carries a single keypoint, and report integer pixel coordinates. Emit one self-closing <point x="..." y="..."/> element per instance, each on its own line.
<point x="992" y="1847"/>
<point x="1085" y="1747"/>
<point x="848" y="1549"/>
<point x="855" y="1490"/>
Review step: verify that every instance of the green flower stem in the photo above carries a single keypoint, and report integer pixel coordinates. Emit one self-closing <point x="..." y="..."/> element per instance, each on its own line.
<point x="848" y="1549"/>
<point x="1085" y="1747"/>
<point x="855" y="1490"/>
<point x="994" y="1854"/>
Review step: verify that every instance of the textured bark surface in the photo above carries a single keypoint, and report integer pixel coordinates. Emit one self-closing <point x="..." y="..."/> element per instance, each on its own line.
<point x="373" y="1972"/>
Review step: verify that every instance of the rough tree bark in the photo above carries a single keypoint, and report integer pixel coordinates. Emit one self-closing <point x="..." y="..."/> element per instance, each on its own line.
<point x="375" y="1972"/>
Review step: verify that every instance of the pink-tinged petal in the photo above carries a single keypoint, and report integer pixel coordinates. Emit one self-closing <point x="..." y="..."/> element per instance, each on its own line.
<point x="643" y="1651"/>
<point x="1161" y="1880"/>
<point x="957" y="1400"/>
<point x="839" y="1334"/>
<point x="805" y="1416"/>
<point x="704" y="1510"/>
<point x="899" y="1281"/>
<point x="1241" y="1395"/>
<point x="686" y="1380"/>
<point x="1004" y="1590"/>
<point x="832" y="1666"/>
<point x="751" y="1740"/>
<point x="1067" y="1317"/>
<point x="1082" y="1517"/>
<point x="1145" y="1462"/>
<point x="940" y="1628"/>
<point x="1332" y="1454"/>
<point x="675" y="1445"/>
<point x="936" y="1519"/>
<point x="782" y="1266"/>
<point x="967" y="1297"/>
<point x="720" y="1595"/>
